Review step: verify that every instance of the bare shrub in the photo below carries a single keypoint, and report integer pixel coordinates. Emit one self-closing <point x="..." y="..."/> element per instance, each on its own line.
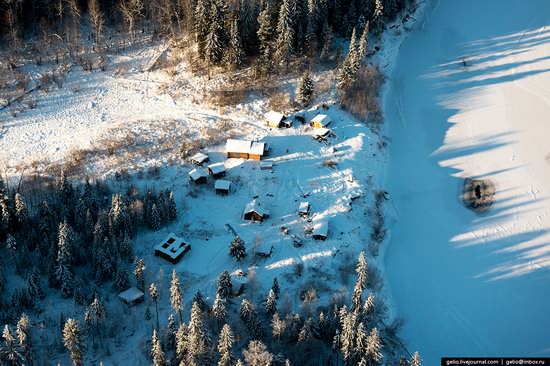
<point x="379" y="232"/>
<point x="298" y="269"/>
<point x="280" y="101"/>
<point x="224" y="98"/>
<point x="22" y="81"/>
<point x="360" y="98"/>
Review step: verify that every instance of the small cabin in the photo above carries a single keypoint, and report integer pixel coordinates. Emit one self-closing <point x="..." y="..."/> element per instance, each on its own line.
<point x="321" y="134"/>
<point x="132" y="296"/>
<point x="254" y="211"/>
<point x="222" y="187"/>
<point x="199" y="159"/>
<point x="277" y="120"/>
<point x="244" y="149"/>
<point x="172" y="248"/>
<point x="266" y="165"/>
<point x="217" y="170"/>
<point x="198" y="176"/>
<point x="320" y="121"/>
<point x="303" y="209"/>
<point x="320" y="229"/>
<point x="300" y="117"/>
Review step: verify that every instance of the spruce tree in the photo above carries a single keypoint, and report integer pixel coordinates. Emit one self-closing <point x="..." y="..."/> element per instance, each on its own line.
<point x="271" y="303"/>
<point x="364" y="43"/>
<point x="197" y="336"/>
<point x="265" y="31"/>
<point x="362" y="270"/>
<point x="63" y="271"/>
<point x="126" y="249"/>
<point x="202" y="21"/>
<point x="374" y="347"/>
<point x="304" y="91"/>
<point x="218" y="309"/>
<point x="237" y="249"/>
<point x="20" y="210"/>
<point x="181" y="343"/>
<point x="139" y="273"/>
<point x="171" y="207"/>
<point x="234" y="54"/>
<point x="277" y="326"/>
<point x="176" y="298"/>
<point x="155" y="217"/>
<point x="275" y="288"/>
<point x="348" y="71"/>
<point x="153" y="292"/>
<point x="9" y="350"/>
<point x="23" y="332"/>
<point x="224" y="346"/>
<point x="416" y="360"/>
<point x="72" y="339"/>
<point x="285" y="32"/>
<point x="225" y="286"/>
<point x="257" y="354"/>
<point x="157" y="354"/>
<point x="214" y="44"/>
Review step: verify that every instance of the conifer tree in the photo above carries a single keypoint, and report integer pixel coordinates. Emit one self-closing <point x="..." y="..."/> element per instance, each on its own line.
<point x="361" y="338"/>
<point x="225" y="286"/>
<point x="72" y="339"/>
<point x="172" y="209"/>
<point x="10" y="349"/>
<point x="126" y="249"/>
<point x="249" y="26"/>
<point x="304" y="91"/>
<point x="147" y="312"/>
<point x="347" y="338"/>
<point x="349" y="19"/>
<point x="23" y="332"/>
<point x="237" y="249"/>
<point x="202" y="21"/>
<point x="271" y="303"/>
<point x="181" y="343"/>
<point x="218" y="309"/>
<point x="277" y="326"/>
<point x="275" y="287"/>
<point x="374" y="347"/>
<point x="95" y="316"/>
<point x="197" y="336"/>
<point x="364" y="43"/>
<point x="224" y="346"/>
<point x="403" y="361"/>
<point x="139" y="273"/>
<point x="20" y="210"/>
<point x="234" y="54"/>
<point x="265" y="31"/>
<point x="155" y="217"/>
<point x="63" y="269"/>
<point x="157" y="354"/>
<point x="362" y="269"/>
<point x="153" y="292"/>
<point x="285" y="32"/>
<point x="176" y="298"/>
<point x="348" y="71"/>
<point x="416" y="360"/>
<point x="214" y="44"/>
<point x="257" y="354"/>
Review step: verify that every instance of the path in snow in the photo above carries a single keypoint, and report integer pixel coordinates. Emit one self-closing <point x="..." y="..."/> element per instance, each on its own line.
<point x="472" y="285"/>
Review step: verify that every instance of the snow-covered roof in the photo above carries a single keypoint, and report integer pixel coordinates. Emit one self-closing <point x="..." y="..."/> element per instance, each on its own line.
<point x="217" y="168"/>
<point x="172" y="246"/>
<point x="321" y="119"/>
<point x="320" y="227"/>
<point x="255" y="206"/>
<point x="131" y="295"/>
<point x="199" y="158"/>
<point x="321" y="132"/>
<point x="274" y="118"/>
<point x="266" y="165"/>
<point x="198" y="173"/>
<point x="244" y="147"/>
<point x="222" y="184"/>
<point x="304" y="207"/>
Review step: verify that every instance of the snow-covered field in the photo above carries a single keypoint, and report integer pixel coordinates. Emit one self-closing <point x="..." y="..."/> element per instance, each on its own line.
<point x="469" y="97"/>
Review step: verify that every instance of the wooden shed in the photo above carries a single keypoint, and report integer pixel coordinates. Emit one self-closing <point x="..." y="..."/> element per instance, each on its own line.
<point x="277" y="120"/>
<point x="303" y="209"/>
<point x="172" y="248"/>
<point x="222" y="187"/>
<point x="217" y="170"/>
<point x="254" y="211"/>
<point x="320" y="121"/>
<point x="199" y="159"/>
<point x="132" y="296"/>
<point x="198" y="175"/>
<point x="320" y="229"/>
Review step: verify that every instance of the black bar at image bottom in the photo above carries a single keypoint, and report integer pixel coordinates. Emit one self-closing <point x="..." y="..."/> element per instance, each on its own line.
<point x="495" y="361"/>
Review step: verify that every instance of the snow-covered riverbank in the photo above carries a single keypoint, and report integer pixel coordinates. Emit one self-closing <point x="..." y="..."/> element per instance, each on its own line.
<point x="468" y="97"/>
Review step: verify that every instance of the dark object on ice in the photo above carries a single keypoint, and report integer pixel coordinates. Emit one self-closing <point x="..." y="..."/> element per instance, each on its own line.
<point x="478" y="194"/>
<point x="263" y="255"/>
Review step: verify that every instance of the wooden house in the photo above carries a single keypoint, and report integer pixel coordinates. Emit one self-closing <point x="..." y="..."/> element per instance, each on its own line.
<point x="199" y="159"/>
<point x="198" y="175"/>
<point x="277" y="120"/>
<point x="320" y="229"/>
<point x="303" y="209"/>
<point x="244" y="149"/>
<point x="320" y="121"/>
<point x="254" y="211"/>
<point x="132" y="296"/>
<point x="222" y="187"/>
<point x="217" y="170"/>
<point x="172" y="248"/>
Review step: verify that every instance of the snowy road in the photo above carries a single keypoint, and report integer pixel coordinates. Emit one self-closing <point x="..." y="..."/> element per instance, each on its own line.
<point x="469" y="96"/>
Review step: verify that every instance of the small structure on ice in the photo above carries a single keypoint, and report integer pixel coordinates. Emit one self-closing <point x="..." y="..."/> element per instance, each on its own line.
<point x="276" y="120"/>
<point x="266" y="165"/>
<point x="321" y="134"/>
<point x="198" y="175"/>
<point x="172" y="249"/>
<point x="132" y="296"/>
<point x="320" y="121"/>
<point x="303" y="209"/>
<point x="320" y="229"/>
<point x="199" y="159"/>
<point x="217" y="170"/>
<point x="254" y="211"/>
<point x="222" y="187"/>
<point x="244" y="149"/>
